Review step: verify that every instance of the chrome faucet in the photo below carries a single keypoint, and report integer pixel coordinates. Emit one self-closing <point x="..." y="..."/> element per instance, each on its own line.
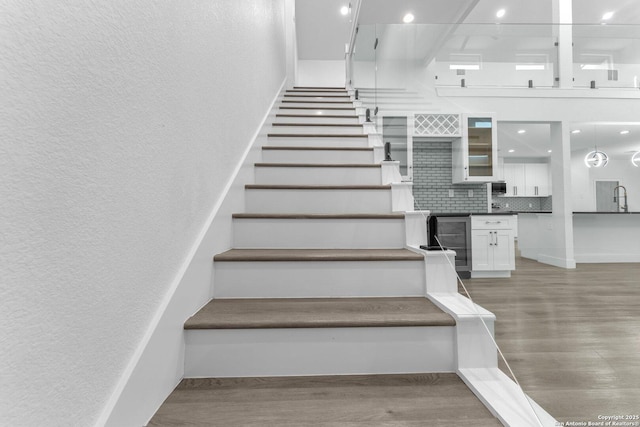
<point x="625" y="207"/>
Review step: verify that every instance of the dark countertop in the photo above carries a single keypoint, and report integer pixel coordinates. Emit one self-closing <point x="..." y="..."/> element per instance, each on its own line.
<point x="465" y="214"/>
<point x="607" y="213"/>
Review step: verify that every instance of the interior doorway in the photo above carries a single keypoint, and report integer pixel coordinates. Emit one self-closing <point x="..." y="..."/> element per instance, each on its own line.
<point x="607" y="199"/>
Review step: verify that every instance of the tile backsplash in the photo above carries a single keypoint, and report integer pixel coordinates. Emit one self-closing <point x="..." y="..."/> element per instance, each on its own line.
<point x="432" y="182"/>
<point x="521" y="204"/>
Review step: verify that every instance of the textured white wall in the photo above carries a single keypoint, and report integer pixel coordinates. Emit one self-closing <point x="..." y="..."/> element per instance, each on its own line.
<point x="321" y="73"/>
<point x="120" y="124"/>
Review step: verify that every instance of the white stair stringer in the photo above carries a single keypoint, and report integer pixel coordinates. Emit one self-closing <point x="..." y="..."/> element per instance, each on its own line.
<point x="318" y="351"/>
<point x="318" y="231"/>
<point x="477" y="355"/>
<point x="318" y="279"/>
<point x="505" y="399"/>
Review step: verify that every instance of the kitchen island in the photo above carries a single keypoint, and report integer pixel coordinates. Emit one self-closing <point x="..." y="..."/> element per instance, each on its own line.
<point x="598" y="237"/>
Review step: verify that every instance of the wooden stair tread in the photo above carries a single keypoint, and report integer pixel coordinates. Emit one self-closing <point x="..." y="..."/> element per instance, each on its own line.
<point x="315" y="135"/>
<point x="295" y="95"/>
<point x="316" y="187"/>
<point x="429" y="399"/>
<point x="284" y="255"/>
<point x="317" y="116"/>
<point x="284" y="107"/>
<point x="295" y="101"/>
<point x="320" y="88"/>
<point x="298" y="148"/>
<point x="318" y="313"/>
<point x="318" y="124"/>
<point x="317" y="216"/>
<point x="319" y="165"/>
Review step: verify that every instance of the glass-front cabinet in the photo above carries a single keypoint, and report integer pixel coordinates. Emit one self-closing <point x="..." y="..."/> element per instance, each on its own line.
<point x="475" y="154"/>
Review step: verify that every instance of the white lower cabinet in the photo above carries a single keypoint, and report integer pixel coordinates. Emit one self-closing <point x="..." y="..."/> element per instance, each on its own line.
<point x="492" y="246"/>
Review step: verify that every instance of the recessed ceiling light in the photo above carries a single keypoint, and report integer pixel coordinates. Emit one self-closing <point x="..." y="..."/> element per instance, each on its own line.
<point x="607" y="15"/>
<point x="549" y="151"/>
<point x="522" y="131"/>
<point x="319" y="112"/>
<point x="344" y="10"/>
<point x="576" y="131"/>
<point x="511" y="151"/>
<point x="408" y="18"/>
<point x="501" y="13"/>
<point x="624" y="132"/>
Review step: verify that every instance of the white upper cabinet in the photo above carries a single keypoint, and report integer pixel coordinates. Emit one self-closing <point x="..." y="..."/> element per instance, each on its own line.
<point x="537" y="179"/>
<point x="475" y="155"/>
<point x="527" y="179"/>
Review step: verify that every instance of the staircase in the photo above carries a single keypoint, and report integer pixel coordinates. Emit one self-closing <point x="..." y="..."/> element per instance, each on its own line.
<point x="321" y="281"/>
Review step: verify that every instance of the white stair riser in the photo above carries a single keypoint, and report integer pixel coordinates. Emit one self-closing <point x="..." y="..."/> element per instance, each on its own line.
<point x="265" y="233"/>
<point x="319" y="119"/>
<point x="320" y="105"/>
<point x="317" y="156"/>
<point x="318" y="93"/>
<point x="323" y="130"/>
<point x="318" y="351"/>
<point x="315" y="98"/>
<point x="308" y="141"/>
<point x="317" y="110"/>
<point x="317" y="201"/>
<point x="317" y="279"/>
<point x="318" y="175"/>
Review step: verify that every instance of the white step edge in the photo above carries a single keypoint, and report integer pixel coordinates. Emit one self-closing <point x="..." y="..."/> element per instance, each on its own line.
<point x="318" y="351"/>
<point x="317" y="141"/>
<point x="318" y="233"/>
<point x="318" y="279"/>
<point x="318" y="175"/>
<point x="320" y="156"/>
<point x="317" y="201"/>
<point x="505" y="399"/>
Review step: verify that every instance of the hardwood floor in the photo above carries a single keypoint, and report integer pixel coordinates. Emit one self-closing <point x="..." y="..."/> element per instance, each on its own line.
<point x="328" y="401"/>
<point x="572" y="337"/>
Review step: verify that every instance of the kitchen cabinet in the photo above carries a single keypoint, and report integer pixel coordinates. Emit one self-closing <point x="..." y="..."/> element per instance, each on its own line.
<point x="475" y="155"/>
<point x="492" y="246"/>
<point x="537" y="179"/>
<point x="527" y="179"/>
<point x="514" y="178"/>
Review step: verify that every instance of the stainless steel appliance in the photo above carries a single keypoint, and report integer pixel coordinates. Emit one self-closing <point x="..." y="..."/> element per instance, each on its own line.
<point x="454" y="233"/>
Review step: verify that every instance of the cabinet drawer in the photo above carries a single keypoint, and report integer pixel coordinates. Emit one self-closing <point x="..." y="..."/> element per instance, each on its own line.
<point x="497" y="222"/>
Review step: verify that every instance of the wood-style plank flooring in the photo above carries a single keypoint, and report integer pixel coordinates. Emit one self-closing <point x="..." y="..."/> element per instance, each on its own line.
<point x="330" y="401"/>
<point x="572" y="337"/>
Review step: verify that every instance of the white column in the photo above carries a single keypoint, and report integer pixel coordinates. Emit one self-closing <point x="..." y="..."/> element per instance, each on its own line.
<point x="559" y="234"/>
<point x="563" y="15"/>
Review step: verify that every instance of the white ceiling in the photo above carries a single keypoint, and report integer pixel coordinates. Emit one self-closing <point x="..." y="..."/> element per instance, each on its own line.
<point x="323" y="32"/>
<point x="535" y="142"/>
